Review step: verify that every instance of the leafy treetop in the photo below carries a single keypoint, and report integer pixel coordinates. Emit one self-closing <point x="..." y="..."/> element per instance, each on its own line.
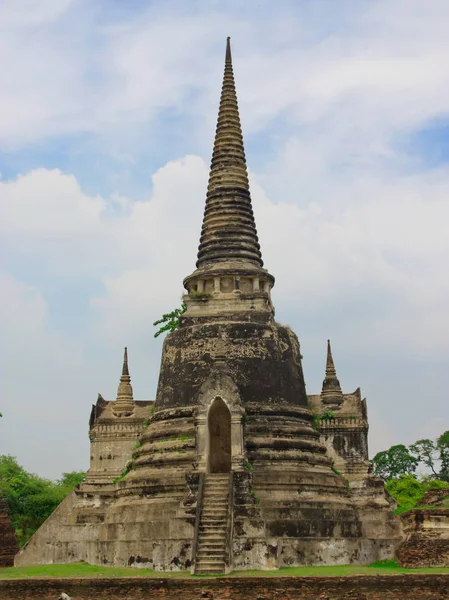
<point x="32" y="498"/>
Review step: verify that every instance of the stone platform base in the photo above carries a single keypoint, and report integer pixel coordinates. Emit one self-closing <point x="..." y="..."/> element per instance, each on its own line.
<point x="378" y="587"/>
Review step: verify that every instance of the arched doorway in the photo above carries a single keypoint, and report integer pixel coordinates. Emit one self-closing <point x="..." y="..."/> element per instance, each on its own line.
<point x="219" y="432"/>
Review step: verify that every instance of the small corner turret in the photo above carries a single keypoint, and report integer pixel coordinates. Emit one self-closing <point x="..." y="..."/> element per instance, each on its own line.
<point x="331" y="391"/>
<point x="124" y="404"/>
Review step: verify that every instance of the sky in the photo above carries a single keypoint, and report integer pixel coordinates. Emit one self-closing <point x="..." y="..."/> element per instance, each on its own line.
<point x="107" y="119"/>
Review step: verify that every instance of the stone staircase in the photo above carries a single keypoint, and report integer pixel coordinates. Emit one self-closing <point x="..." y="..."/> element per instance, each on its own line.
<point x="213" y="525"/>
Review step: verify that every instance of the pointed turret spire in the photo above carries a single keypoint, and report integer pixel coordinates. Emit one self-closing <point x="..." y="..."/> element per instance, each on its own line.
<point x="125" y="371"/>
<point x="331" y="392"/>
<point x="124" y="404"/>
<point x="229" y="230"/>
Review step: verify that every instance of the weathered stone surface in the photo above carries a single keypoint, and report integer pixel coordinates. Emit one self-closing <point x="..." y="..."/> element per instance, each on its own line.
<point x="345" y="435"/>
<point x="231" y="399"/>
<point x="8" y="541"/>
<point x="426" y="531"/>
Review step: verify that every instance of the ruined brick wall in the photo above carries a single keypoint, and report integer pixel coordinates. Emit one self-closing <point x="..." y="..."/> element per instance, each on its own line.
<point x="427" y="538"/>
<point x="380" y="587"/>
<point x="435" y="497"/>
<point x="8" y="542"/>
<point x="420" y="551"/>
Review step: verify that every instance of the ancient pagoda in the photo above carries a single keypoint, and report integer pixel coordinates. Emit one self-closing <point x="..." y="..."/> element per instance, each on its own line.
<point x="230" y="470"/>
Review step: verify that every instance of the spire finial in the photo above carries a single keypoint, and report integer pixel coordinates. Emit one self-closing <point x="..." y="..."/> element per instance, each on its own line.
<point x="124" y="404"/>
<point x="228" y="49"/>
<point x="229" y="230"/>
<point x="331" y="392"/>
<point x="125" y="371"/>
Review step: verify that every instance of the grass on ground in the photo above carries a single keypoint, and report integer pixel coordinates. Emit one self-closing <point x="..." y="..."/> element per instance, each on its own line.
<point x="388" y="567"/>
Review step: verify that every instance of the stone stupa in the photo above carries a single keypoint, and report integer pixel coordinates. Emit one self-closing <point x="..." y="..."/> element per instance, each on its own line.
<point x="229" y="471"/>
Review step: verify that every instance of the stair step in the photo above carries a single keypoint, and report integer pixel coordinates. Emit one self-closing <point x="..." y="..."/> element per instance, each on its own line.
<point x="211" y="551"/>
<point x="202" y="571"/>
<point x="215" y="499"/>
<point x="214" y="512"/>
<point x="212" y="484"/>
<point x="215" y="484"/>
<point x="213" y="519"/>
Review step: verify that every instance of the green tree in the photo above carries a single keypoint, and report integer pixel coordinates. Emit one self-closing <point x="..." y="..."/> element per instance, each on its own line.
<point x="71" y="480"/>
<point x="426" y="453"/>
<point x="394" y="462"/>
<point x="443" y="451"/>
<point x="31" y="498"/>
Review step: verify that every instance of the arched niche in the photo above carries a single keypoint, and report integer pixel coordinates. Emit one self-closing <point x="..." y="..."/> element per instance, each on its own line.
<point x="219" y="445"/>
<point x="217" y="395"/>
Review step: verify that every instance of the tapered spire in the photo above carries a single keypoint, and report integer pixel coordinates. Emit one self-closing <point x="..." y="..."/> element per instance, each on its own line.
<point x="229" y="230"/>
<point x="331" y="392"/>
<point x="124" y="404"/>
<point x="125" y="371"/>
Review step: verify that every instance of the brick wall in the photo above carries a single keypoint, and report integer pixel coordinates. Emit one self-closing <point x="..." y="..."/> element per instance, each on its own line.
<point x="419" y="551"/>
<point x="426" y="538"/>
<point x="8" y="542"/>
<point x="380" y="587"/>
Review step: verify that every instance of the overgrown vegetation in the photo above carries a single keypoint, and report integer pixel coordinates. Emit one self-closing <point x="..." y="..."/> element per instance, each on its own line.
<point x="318" y="417"/>
<point x="175" y="437"/>
<point x="408" y="490"/>
<point x="124" y="473"/>
<point x="398" y="467"/>
<point x="256" y="498"/>
<point x="200" y="295"/>
<point x="170" y="321"/>
<point x="32" y="498"/>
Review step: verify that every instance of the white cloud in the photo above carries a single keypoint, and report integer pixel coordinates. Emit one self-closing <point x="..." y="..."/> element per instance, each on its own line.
<point x="383" y="69"/>
<point x="353" y="229"/>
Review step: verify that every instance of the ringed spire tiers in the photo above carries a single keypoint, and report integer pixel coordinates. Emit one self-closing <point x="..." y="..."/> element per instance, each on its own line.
<point x="228" y="241"/>
<point x="229" y="229"/>
<point x="331" y="392"/>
